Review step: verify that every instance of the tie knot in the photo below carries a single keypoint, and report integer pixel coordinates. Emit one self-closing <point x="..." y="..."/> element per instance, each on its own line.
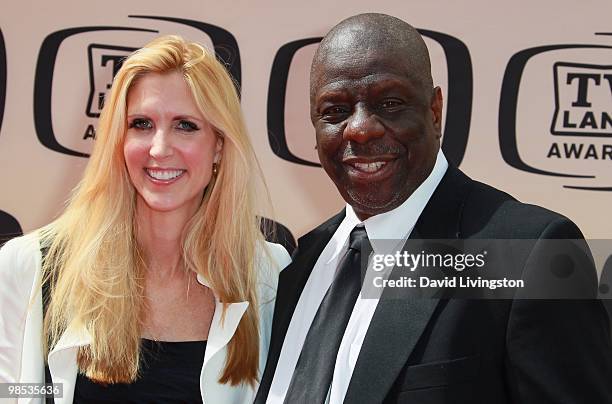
<point x="358" y="235"/>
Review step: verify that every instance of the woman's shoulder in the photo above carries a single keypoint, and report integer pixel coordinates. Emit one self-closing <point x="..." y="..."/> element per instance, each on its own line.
<point x="20" y="251"/>
<point x="275" y="253"/>
<point x="19" y="262"/>
<point x="271" y="259"/>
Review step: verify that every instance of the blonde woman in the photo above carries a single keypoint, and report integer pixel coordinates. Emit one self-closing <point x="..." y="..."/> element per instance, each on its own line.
<point x="161" y="287"/>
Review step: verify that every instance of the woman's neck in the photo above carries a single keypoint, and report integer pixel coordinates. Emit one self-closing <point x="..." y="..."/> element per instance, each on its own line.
<point x="159" y="236"/>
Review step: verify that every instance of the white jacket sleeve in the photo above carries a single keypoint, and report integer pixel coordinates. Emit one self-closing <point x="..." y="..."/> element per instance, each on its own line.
<point x="19" y="260"/>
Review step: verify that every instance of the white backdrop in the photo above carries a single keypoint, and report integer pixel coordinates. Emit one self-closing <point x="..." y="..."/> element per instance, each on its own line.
<point x="516" y="140"/>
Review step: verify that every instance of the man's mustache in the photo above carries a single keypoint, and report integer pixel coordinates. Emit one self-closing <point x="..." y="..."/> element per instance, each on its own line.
<point x="368" y="150"/>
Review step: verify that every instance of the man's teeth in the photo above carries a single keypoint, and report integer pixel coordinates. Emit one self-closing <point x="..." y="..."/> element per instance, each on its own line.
<point x="164" y="175"/>
<point x="369" y="167"/>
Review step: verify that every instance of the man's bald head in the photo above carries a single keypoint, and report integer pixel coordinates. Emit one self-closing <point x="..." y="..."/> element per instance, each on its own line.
<point x="382" y="34"/>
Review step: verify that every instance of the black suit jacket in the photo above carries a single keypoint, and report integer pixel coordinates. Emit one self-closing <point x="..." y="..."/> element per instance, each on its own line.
<point x="420" y="350"/>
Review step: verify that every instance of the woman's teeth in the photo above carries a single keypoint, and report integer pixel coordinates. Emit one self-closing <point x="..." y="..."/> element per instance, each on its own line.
<point x="164" y="175"/>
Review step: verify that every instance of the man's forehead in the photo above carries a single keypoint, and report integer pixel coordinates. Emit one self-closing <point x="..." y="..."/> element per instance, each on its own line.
<point x="357" y="39"/>
<point x="360" y="63"/>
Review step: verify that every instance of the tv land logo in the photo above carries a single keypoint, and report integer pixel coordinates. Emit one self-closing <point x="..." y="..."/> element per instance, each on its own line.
<point x="104" y="58"/>
<point x="104" y="63"/>
<point x="583" y="100"/>
<point x="574" y="133"/>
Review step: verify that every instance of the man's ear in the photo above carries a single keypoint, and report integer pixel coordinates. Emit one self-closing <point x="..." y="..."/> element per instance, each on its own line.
<point x="436" y="110"/>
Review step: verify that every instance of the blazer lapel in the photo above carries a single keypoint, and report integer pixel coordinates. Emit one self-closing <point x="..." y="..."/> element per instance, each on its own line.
<point x="222" y="328"/>
<point x="398" y="324"/>
<point x="290" y="285"/>
<point x="63" y="360"/>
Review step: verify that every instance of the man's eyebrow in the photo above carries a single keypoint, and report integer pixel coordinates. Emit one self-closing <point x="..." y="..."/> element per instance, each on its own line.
<point x="337" y="85"/>
<point x="393" y="80"/>
<point x="330" y="94"/>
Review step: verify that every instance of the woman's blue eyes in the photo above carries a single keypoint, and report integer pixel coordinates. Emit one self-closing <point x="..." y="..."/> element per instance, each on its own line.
<point x="145" y="124"/>
<point x="140" y="123"/>
<point x="187" y="126"/>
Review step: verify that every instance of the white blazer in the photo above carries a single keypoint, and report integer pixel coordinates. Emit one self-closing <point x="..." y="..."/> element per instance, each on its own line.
<point x="21" y="353"/>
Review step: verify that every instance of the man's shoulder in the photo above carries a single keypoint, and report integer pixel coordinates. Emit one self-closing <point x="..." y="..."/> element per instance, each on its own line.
<point x="492" y="213"/>
<point x="324" y="228"/>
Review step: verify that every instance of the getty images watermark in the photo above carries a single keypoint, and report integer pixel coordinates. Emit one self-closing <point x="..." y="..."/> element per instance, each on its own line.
<point x="458" y="262"/>
<point x="485" y="268"/>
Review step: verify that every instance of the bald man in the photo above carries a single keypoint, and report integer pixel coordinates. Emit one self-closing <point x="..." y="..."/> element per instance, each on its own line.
<point x="377" y="118"/>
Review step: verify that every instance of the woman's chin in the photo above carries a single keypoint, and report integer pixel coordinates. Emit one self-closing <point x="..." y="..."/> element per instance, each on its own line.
<point x="166" y="205"/>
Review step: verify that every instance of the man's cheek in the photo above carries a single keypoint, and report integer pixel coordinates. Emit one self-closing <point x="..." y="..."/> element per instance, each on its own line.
<point x="327" y="145"/>
<point x="410" y="128"/>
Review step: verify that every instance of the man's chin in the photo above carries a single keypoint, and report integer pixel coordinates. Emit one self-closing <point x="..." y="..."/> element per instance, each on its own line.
<point x="371" y="203"/>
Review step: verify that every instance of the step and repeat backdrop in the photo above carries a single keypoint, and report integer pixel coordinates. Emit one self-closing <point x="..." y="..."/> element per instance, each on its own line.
<point x="527" y="88"/>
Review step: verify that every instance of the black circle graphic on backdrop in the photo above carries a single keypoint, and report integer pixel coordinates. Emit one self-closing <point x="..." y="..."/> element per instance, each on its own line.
<point x="2" y="77"/>
<point x="277" y="91"/>
<point x="460" y="84"/>
<point x="43" y="84"/>
<point x="9" y="227"/>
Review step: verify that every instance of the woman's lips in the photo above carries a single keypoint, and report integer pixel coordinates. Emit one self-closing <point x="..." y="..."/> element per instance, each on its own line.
<point x="164" y="175"/>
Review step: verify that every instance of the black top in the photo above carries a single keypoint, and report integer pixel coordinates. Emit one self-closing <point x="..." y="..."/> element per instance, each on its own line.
<point x="169" y="373"/>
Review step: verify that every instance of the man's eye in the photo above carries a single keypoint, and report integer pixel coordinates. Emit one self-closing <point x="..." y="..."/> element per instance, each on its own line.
<point x="187" y="126"/>
<point x="334" y="110"/>
<point x="335" y="113"/>
<point x="141" y="123"/>
<point x="390" y="104"/>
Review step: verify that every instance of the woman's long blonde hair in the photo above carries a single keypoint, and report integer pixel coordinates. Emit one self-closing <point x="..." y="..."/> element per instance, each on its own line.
<point x="93" y="264"/>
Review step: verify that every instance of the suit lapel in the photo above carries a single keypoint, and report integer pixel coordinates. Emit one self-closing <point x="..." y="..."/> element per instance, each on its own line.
<point x="398" y="324"/>
<point x="293" y="278"/>
<point x="290" y="285"/>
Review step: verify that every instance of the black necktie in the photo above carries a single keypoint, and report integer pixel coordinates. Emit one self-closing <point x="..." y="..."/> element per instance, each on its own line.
<point x="315" y="366"/>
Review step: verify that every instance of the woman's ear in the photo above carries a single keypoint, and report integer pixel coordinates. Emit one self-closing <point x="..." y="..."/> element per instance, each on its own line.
<point x="218" y="149"/>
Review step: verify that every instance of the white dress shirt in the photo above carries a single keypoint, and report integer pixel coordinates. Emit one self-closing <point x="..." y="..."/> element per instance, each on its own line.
<point x="396" y="224"/>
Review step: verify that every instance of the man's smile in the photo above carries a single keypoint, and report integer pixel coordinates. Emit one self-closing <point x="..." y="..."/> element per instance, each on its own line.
<point x="369" y="167"/>
<point x="369" y="170"/>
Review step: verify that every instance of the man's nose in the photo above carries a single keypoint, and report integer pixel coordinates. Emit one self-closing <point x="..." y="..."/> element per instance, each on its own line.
<point x="161" y="144"/>
<point x="363" y="125"/>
